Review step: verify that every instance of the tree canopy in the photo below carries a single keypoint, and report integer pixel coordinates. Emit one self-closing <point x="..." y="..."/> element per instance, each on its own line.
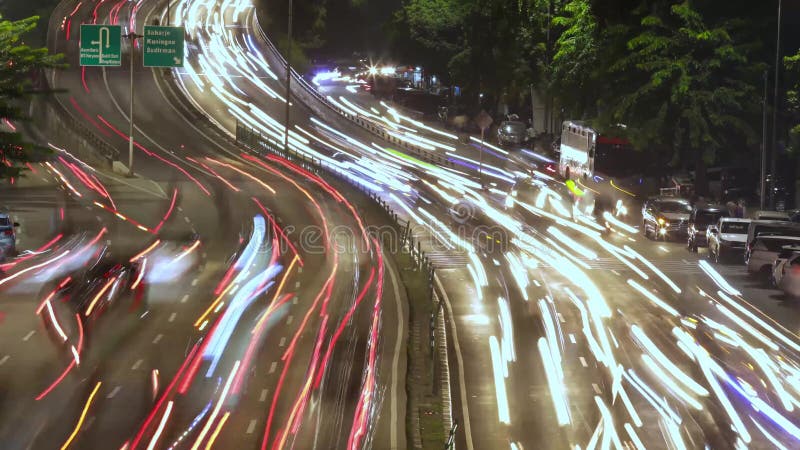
<point x="18" y="62"/>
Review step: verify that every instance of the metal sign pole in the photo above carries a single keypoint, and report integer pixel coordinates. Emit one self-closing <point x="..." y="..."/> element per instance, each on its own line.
<point x="132" y="38"/>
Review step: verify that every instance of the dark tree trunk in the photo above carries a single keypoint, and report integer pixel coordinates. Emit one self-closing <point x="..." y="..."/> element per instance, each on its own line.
<point x="700" y="178"/>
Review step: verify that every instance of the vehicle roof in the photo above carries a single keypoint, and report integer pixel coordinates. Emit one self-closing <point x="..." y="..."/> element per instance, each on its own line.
<point x="711" y="208"/>
<point x="664" y="198"/>
<point x="772" y="222"/>
<point x="774" y="236"/>
<point x="734" y="219"/>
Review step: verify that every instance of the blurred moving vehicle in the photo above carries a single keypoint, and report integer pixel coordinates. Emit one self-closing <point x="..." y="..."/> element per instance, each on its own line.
<point x="764" y="250"/>
<point x="726" y="237"/>
<point x="788" y="253"/>
<point x="8" y="236"/>
<point x="512" y="132"/>
<point x="665" y="217"/>
<point x="699" y="221"/>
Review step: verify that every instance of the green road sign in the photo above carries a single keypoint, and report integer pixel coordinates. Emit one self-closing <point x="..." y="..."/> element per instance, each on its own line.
<point x="100" y="45"/>
<point x="163" y="46"/>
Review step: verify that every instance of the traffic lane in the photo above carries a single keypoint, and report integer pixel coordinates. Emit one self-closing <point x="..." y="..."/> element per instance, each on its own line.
<point x="755" y="290"/>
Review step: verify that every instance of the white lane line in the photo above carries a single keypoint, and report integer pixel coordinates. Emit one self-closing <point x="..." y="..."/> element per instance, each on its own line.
<point x="114" y="392"/>
<point x="172" y="317"/>
<point x="272" y="367"/>
<point x="4" y="359"/>
<point x="297" y="285"/>
<point x="596" y="389"/>
<point x="158" y="338"/>
<point x="283" y="342"/>
<point x="572" y="338"/>
<point x="186" y="218"/>
<point x="251" y="426"/>
<point x="99" y="219"/>
<point x="295" y="300"/>
<point x="185" y="298"/>
<point x="263" y="397"/>
<point x="180" y="209"/>
<point x="195" y="281"/>
<point x="300" y="269"/>
<point x="289" y="320"/>
<point x="137" y="364"/>
<point x="614" y="272"/>
<point x="28" y="336"/>
<point x="583" y="361"/>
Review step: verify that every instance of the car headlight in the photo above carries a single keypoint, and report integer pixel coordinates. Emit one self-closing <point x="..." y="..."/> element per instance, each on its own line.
<point x="662" y="222"/>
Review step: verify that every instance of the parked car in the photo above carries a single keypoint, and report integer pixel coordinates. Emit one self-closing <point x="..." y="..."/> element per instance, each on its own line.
<point x="699" y="221"/>
<point x="512" y="132"/>
<point x="8" y="236"/>
<point x="787" y="253"/>
<point x="665" y="217"/>
<point x="727" y="237"/>
<point x="780" y="216"/>
<point x="790" y="280"/>
<point x="775" y="227"/>
<point x="764" y="250"/>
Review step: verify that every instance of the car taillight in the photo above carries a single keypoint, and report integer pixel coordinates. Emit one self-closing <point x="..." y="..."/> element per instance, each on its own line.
<point x="8" y="232"/>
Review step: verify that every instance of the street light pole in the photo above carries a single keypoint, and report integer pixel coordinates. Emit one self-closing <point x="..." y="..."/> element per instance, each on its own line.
<point x="288" y="78"/>
<point x="763" y="181"/>
<point x="132" y="37"/>
<point x="775" y="109"/>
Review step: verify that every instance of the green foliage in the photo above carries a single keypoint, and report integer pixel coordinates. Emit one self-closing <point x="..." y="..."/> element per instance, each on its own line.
<point x="690" y="85"/>
<point x="792" y="64"/>
<point x="18" y="64"/>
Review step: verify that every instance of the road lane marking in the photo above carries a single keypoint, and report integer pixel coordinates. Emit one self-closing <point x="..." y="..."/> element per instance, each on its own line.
<point x="272" y="367"/>
<point x="596" y="389"/>
<point x="172" y="317"/>
<point x="300" y="269"/>
<point x="295" y="300"/>
<point x="186" y="218"/>
<point x="289" y="320"/>
<point x="251" y="426"/>
<point x="583" y="361"/>
<point x="572" y="338"/>
<point x="297" y="285"/>
<point x="283" y="342"/>
<point x="614" y="272"/>
<point x="28" y="336"/>
<point x="158" y="338"/>
<point x="185" y="298"/>
<point x="137" y="364"/>
<point x="180" y="209"/>
<point x="4" y="359"/>
<point x="195" y="281"/>
<point x="263" y="396"/>
<point x="114" y="392"/>
<point x="393" y="413"/>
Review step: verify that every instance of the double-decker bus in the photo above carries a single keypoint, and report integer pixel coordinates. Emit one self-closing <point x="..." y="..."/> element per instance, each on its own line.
<point x="585" y="153"/>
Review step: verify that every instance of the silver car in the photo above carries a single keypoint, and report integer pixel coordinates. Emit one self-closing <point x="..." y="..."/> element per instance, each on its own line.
<point x="512" y="132"/>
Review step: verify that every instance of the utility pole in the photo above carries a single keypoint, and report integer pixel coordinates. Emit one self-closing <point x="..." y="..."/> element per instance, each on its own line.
<point x="763" y="177"/>
<point x="132" y="36"/>
<point x="775" y="110"/>
<point x="288" y="78"/>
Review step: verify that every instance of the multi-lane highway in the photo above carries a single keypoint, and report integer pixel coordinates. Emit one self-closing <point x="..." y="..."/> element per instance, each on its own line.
<point x="208" y="301"/>
<point x="563" y="337"/>
<point x="261" y="324"/>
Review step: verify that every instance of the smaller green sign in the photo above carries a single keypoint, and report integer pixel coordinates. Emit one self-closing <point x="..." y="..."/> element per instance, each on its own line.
<point x="100" y="45"/>
<point x="163" y="46"/>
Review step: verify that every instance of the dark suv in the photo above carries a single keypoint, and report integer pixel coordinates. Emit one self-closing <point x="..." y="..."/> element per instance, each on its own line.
<point x="699" y="221"/>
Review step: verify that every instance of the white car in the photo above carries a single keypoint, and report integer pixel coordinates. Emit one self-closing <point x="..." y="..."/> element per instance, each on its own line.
<point x="764" y="251"/>
<point x="790" y="279"/>
<point x="788" y="253"/>
<point x="727" y="237"/>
